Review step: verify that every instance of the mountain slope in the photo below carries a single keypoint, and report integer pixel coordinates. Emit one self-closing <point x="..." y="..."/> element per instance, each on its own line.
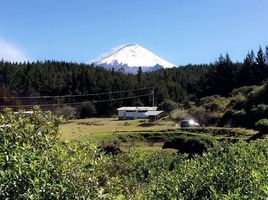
<point x="132" y="56"/>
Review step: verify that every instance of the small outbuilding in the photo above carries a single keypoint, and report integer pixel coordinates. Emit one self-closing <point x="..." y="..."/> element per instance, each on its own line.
<point x="135" y="112"/>
<point x="154" y="115"/>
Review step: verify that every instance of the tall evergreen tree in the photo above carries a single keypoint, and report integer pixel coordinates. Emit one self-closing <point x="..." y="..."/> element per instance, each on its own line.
<point x="262" y="70"/>
<point x="260" y="59"/>
<point x="246" y="74"/>
<point x="249" y="60"/>
<point x="139" y="76"/>
<point x="221" y="79"/>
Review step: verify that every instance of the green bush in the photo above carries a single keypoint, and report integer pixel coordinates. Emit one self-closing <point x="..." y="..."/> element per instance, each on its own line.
<point x="178" y="114"/>
<point x="237" y="102"/>
<point x="29" y="169"/>
<point x="203" y="117"/>
<point x="262" y="126"/>
<point x="68" y="112"/>
<point x="214" y="103"/>
<point x="259" y="111"/>
<point x="87" y="110"/>
<point x="34" y="164"/>
<point x="245" y="91"/>
<point x="168" y="106"/>
<point x="189" y="145"/>
<point x="234" y="118"/>
<point x="261" y="95"/>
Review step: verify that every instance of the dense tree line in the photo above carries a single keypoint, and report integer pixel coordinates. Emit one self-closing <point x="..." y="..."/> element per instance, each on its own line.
<point x="181" y="84"/>
<point x="227" y="75"/>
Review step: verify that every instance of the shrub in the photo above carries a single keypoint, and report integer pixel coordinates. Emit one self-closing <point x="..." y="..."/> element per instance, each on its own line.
<point x="245" y="90"/>
<point x="68" y="112"/>
<point x="35" y="165"/>
<point x="262" y="126"/>
<point x="261" y="95"/>
<point x="110" y="149"/>
<point x="238" y="102"/>
<point x="189" y="145"/>
<point x="28" y="170"/>
<point x="245" y="118"/>
<point x="258" y="96"/>
<point x="87" y="110"/>
<point x="214" y="103"/>
<point x="234" y="118"/>
<point x="203" y="117"/>
<point x="259" y="111"/>
<point x="179" y="114"/>
<point x="256" y="113"/>
<point x="208" y="99"/>
<point x="168" y="106"/>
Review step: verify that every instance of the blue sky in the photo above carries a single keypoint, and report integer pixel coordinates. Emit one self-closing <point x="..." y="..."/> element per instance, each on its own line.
<point x="180" y="31"/>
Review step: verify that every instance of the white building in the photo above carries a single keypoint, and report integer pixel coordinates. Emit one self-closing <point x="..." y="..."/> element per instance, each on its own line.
<point x="134" y="112"/>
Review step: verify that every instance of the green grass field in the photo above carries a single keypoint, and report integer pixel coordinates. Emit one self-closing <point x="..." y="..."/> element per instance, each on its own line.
<point x="97" y="129"/>
<point x="142" y="134"/>
<point x="107" y="130"/>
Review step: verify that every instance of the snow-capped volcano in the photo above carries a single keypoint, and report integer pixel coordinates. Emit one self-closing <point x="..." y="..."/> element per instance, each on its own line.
<point x="130" y="57"/>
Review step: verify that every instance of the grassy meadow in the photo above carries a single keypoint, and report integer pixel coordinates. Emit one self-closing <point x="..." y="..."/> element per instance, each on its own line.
<point x="107" y="130"/>
<point x="97" y="129"/>
<point x="141" y="133"/>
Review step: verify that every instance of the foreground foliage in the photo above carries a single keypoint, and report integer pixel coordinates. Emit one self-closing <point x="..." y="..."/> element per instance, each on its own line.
<point x="35" y="165"/>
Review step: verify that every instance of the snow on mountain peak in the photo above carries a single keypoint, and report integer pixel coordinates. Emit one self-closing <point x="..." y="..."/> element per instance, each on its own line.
<point x="132" y="56"/>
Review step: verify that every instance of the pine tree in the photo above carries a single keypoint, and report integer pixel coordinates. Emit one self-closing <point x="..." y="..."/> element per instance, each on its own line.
<point x="249" y="60"/>
<point x="139" y="76"/>
<point x="252" y="55"/>
<point x="260" y="57"/>
<point x="246" y="74"/>
<point x="262" y="71"/>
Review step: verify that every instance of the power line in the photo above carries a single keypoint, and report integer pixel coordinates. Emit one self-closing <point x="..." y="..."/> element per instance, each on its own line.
<point x="79" y="95"/>
<point x="75" y="103"/>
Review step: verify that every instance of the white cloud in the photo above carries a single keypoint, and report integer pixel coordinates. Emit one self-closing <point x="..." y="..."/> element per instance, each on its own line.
<point x="10" y="52"/>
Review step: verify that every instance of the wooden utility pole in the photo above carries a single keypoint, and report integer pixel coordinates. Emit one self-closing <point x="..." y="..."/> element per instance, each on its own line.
<point x="153" y="96"/>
